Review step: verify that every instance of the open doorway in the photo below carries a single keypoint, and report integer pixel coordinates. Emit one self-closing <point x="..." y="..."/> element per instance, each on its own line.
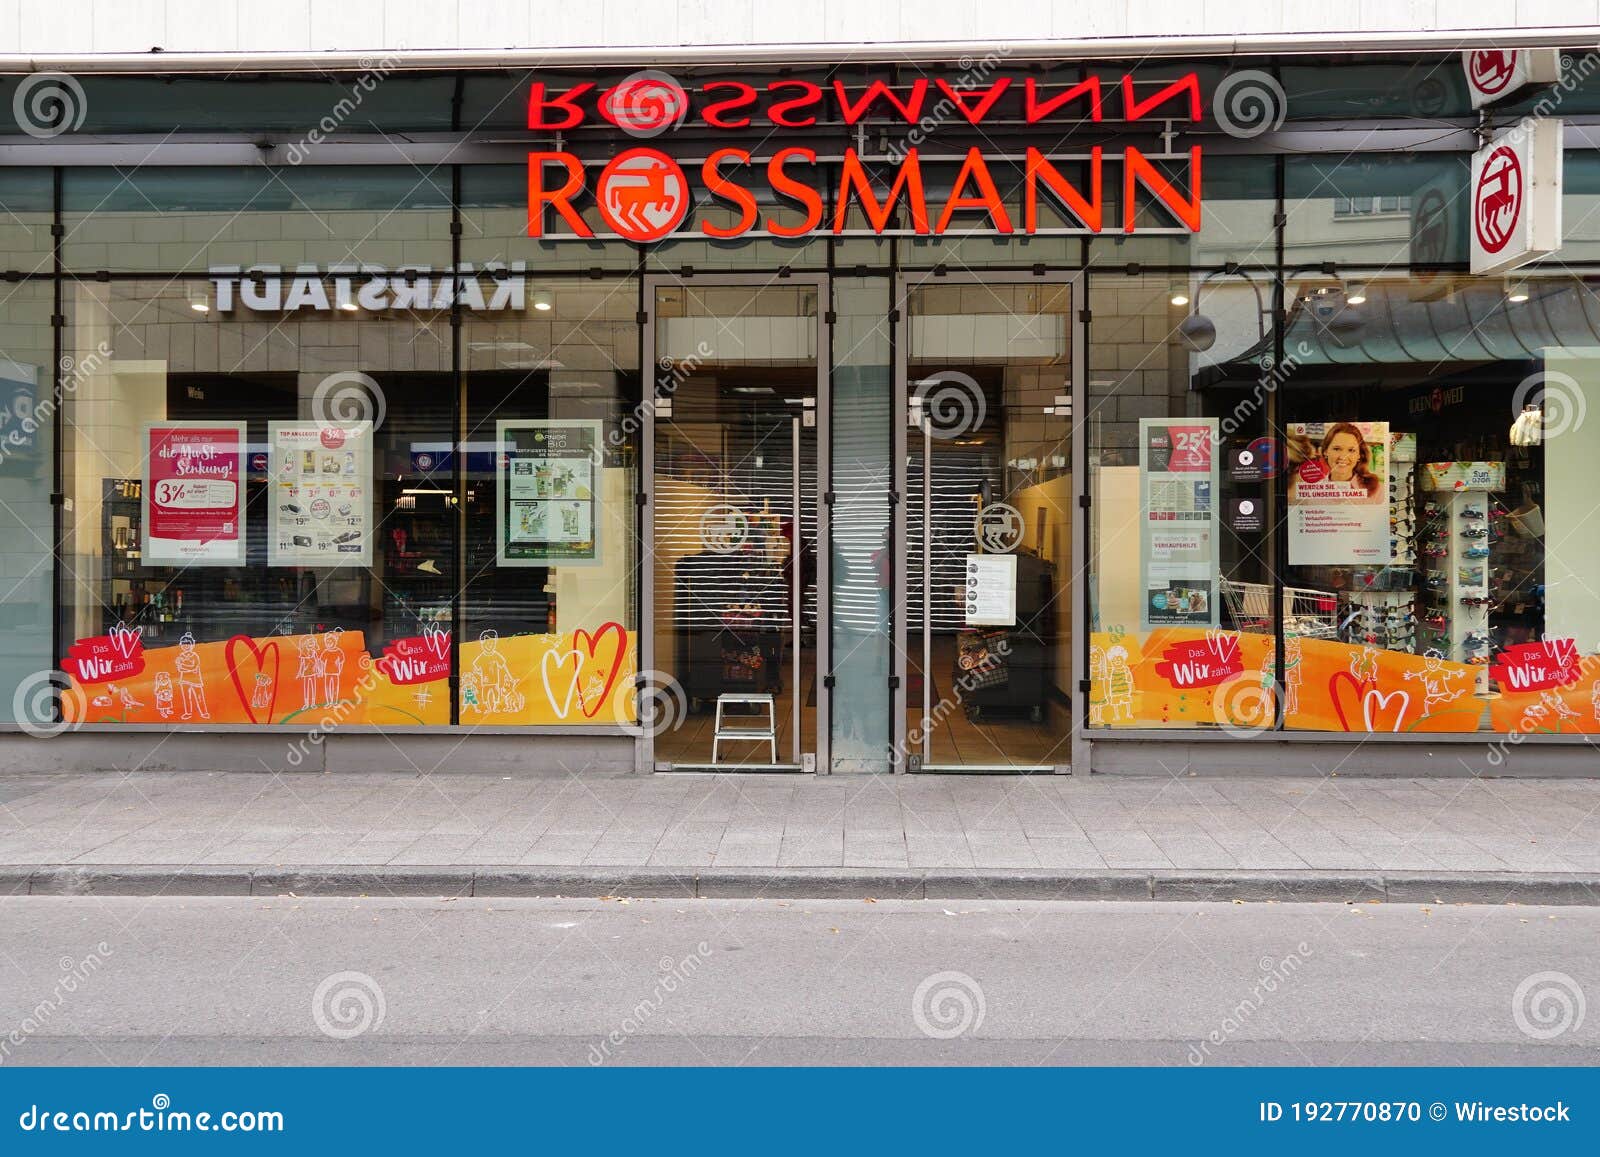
<point x="987" y="656"/>
<point x="734" y="525"/>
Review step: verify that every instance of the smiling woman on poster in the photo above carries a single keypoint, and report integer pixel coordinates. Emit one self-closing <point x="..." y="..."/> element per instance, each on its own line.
<point x="1339" y="493"/>
<point x="1340" y="471"/>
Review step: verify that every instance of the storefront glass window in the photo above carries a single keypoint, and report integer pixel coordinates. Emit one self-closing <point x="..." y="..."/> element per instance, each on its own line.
<point x="1238" y="200"/>
<point x="1425" y="504"/>
<point x="1401" y="208"/>
<point x="1181" y="625"/>
<point x="494" y="227"/>
<point x="26" y="213"/>
<point x="1437" y="453"/>
<point x="28" y="399"/>
<point x="256" y="526"/>
<point x="548" y="454"/>
<point x="198" y="219"/>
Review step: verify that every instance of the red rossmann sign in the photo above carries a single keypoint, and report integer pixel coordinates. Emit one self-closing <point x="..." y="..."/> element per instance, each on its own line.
<point x="643" y="194"/>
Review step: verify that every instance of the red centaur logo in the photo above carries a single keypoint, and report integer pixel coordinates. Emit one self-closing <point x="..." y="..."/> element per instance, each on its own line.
<point x="1491" y="70"/>
<point x="643" y="195"/>
<point x="1497" y="200"/>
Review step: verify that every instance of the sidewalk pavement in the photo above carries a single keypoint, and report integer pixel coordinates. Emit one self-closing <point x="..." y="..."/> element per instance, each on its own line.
<point x="1046" y="836"/>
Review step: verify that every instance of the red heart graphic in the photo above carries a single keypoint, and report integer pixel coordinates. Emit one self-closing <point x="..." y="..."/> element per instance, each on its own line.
<point x="259" y="654"/>
<point x="583" y="638"/>
<point x="1338" y="702"/>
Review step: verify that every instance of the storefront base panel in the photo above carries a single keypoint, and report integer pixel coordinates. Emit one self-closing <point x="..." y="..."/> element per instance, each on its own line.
<point x="1345" y="756"/>
<point x="509" y="754"/>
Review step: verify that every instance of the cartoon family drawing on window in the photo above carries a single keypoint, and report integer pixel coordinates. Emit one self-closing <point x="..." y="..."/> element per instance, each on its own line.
<point x="319" y="663"/>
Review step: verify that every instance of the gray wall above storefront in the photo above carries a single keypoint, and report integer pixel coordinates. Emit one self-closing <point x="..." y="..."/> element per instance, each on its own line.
<point x="256" y="28"/>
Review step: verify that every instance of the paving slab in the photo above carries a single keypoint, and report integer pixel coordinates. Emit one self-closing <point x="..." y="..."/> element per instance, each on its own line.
<point x="1113" y="837"/>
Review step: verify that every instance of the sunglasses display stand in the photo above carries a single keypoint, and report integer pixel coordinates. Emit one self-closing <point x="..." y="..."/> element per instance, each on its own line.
<point x="1461" y="526"/>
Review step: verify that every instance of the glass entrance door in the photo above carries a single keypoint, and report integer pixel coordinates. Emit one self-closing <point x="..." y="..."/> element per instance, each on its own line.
<point x="987" y="658"/>
<point x="734" y="526"/>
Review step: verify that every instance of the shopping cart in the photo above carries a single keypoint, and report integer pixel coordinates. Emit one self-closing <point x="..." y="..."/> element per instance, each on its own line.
<point x="1307" y="613"/>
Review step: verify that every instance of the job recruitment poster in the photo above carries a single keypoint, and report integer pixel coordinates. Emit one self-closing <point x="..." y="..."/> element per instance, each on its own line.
<point x="1338" y="493"/>
<point x="320" y="511"/>
<point x="193" y="494"/>
<point x="1178" y="528"/>
<point x="545" y="503"/>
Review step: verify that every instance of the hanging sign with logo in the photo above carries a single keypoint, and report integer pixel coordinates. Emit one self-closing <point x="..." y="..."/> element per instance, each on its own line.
<point x="645" y="194"/>
<point x="193" y="494"/>
<point x="1178" y="528"/>
<point x="320" y="511"/>
<point x="545" y="503"/>
<point x="1516" y="196"/>
<point x="1496" y="74"/>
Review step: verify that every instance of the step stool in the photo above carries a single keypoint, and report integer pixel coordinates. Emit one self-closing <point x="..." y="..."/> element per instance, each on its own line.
<point x="767" y="734"/>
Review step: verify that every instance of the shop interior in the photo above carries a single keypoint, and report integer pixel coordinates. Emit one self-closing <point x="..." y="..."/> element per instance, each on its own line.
<point x="1476" y="388"/>
<point x="732" y="553"/>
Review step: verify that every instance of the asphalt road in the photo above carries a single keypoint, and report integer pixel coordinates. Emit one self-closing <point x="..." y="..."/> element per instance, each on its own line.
<point x="245" y="981"/>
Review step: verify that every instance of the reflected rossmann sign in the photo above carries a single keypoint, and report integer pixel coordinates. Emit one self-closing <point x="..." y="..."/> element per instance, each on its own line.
<point x="646" y="193"/>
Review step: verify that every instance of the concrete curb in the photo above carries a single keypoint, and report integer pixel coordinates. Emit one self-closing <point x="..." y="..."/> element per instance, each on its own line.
<point x="803" y="884"/>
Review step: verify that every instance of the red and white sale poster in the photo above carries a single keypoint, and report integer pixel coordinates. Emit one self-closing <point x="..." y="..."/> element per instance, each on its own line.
<point x="194" y="494"/>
